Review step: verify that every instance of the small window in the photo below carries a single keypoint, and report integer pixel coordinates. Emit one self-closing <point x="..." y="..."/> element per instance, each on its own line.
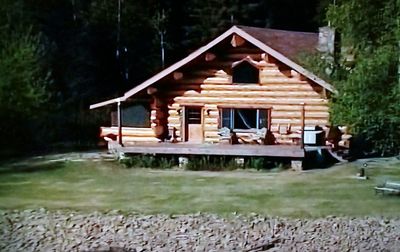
<point x="245" y="73"/>
<point x="244" y="118"/>
<point x="193" y="115"/>
<point x="137" y="115"/>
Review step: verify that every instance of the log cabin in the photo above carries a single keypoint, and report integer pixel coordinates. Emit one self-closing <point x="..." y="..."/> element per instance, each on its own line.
<point x="244" y="91"/>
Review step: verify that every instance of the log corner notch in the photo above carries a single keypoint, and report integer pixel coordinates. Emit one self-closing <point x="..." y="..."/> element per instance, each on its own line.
<point x="237" y="41"/>
<point x="177" y="75"/>
<point x="209" y="56"/>
<point x="151" y="90"/>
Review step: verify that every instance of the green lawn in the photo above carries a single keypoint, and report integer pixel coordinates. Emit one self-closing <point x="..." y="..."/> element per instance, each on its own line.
<point x="102" y="186"/>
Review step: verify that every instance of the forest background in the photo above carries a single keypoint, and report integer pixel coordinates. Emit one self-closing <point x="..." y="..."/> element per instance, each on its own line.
<point x="59" y="56"/>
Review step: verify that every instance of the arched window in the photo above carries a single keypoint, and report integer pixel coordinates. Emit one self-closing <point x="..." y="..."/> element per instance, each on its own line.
<point x="245" y="72"/>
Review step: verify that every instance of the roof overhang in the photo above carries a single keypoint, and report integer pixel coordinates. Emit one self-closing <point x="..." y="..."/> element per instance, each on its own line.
<point x="201" y="50"/>
<point x="105" y="103"/>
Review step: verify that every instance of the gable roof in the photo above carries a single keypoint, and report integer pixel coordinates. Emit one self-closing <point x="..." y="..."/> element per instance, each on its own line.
<point x="288" y="43"/>
<point x="282" y="45"/>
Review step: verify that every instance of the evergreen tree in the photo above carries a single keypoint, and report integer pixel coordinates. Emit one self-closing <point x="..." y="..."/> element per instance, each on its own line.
<point x="368" y="87"/>
<point x="24" y="79"/>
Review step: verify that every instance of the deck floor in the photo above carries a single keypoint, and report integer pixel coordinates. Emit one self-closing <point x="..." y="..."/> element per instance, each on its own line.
<point x="293" y="151"/>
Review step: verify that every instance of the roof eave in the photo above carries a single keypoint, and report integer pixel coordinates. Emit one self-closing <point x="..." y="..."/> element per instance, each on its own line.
<point x="285" y="60"/>
<point x="105" y="103"/>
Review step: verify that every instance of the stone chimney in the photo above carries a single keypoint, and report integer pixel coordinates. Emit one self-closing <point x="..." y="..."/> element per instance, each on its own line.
<point x="326" y="46"/>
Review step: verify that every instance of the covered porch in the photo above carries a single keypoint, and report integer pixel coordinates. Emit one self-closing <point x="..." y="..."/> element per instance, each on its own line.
<point x="285" y="151"/>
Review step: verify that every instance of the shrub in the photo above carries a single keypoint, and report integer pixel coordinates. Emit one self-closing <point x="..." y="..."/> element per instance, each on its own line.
<point x="149" y="161"/>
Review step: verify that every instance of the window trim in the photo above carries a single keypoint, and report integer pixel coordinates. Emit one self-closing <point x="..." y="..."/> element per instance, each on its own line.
<point x="232" y="118"/>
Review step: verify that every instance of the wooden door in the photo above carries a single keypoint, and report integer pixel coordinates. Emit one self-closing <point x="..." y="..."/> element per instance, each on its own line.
<point x="193" y="125"/>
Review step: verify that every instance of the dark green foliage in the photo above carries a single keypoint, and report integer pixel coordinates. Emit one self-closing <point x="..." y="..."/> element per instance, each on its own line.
<point x="24" y="78"/>
<point x="261" y="163"/>
<point x="60" y="56"/>
<point x="212" y="163"/>
<point x="225" y="163"/>
<point x="149" y="161"/>
<point x="369" y="87"/>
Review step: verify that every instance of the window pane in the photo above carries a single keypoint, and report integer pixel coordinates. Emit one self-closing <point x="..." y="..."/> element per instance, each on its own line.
<point x="245" y="119"/>
<point x="226" y="118"/>
<point x="193" y="115"/>
<point x="263" y="119"/>
<point x="137" y="115"/>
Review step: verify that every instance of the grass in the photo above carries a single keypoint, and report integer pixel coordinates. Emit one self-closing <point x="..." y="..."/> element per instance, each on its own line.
<point x="102" y="186"/>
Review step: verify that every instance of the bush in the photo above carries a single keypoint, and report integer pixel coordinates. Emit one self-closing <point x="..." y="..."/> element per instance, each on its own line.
<point x="212" y="163"/>
<point x="149" y="161"/>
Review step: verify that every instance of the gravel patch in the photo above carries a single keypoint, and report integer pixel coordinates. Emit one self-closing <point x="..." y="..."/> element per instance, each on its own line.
<point x="42" y="230"/>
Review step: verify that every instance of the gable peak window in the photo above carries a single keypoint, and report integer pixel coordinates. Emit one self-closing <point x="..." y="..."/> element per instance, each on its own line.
<point x="245" y="71"/>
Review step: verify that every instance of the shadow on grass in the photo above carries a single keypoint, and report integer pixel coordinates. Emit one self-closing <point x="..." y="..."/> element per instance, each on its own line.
<point x="30" y="168"/>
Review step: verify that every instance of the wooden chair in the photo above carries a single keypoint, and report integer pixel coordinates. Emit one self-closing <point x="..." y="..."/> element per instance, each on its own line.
<point x="284" y="130"/>
<point x="172" y="137"/>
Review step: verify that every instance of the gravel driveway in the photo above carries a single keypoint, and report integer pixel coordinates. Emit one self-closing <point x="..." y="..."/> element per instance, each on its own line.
<point x="42" y="230"/>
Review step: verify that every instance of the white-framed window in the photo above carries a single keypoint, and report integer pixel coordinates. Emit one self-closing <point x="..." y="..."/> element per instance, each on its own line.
<point x="243" y="119"/>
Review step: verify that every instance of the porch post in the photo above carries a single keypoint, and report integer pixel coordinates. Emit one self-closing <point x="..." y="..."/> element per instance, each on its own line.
<point x="119" y="122"/>
<point x="303" y="116"/>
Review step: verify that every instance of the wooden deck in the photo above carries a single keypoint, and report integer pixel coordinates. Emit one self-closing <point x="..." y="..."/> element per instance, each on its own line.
<point x="292" y="151"/>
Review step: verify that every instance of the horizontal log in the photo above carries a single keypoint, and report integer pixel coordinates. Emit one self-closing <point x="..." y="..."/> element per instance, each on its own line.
<point x="127" y="131"/>
<point x="275" y="74"/>
<point x="311" y="122"/>
<point x="211" y="140"/>
<point x="308" y="114"/>
<point x="293" y="127"/>
<point x="277" y="80"/>
<point x="129" y="139"/>
<point x="285" y="141"/>
<point x="211" y="120"/>
<point x="234" y="100"/>
<point x="307" y="107"/>
<point x="176" y="125"/>
<point x="255" y="94"/>
<point x="174" y="120"/>
<point x="221" y="80"/>
<point x="173" y="113"/>
<point x="259" y="87"/>
<point x="211" y="134"/>
<point x="174" y="106"/>
<point x="210" y="127"/>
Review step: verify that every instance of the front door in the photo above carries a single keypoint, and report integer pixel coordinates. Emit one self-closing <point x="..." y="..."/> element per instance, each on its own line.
<point x="193" y="125"/>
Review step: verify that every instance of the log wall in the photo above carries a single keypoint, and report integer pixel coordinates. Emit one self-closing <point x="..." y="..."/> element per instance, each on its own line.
<point x="280" y="89"/>
<point x="208" y="84"/>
